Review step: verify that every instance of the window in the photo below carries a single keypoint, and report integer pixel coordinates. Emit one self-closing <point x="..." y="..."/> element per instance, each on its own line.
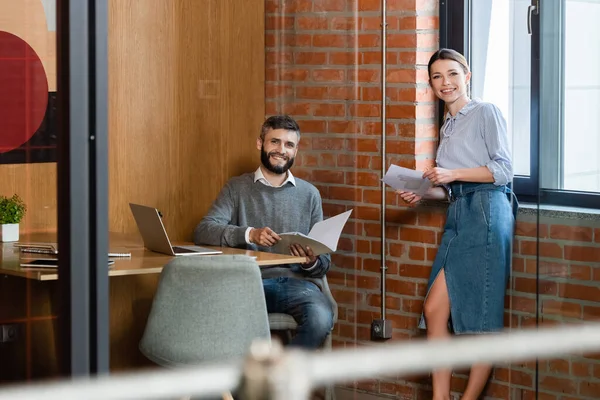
<point x="539" y="66"/>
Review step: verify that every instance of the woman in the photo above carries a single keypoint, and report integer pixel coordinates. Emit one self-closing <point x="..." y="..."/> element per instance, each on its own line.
<point x="469" y="275"/>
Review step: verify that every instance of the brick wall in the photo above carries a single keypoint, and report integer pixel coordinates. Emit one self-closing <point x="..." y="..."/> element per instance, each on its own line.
<point x="323" y="67"/>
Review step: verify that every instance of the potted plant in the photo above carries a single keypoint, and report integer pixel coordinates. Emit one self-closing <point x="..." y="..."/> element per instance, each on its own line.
<point x="12" y="211"/>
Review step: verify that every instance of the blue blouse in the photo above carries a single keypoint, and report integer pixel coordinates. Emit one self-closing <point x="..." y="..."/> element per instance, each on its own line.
<point x="476" y="136"/>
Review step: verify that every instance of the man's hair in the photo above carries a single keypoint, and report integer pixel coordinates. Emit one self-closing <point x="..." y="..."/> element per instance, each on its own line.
<point x="279" y="122"/>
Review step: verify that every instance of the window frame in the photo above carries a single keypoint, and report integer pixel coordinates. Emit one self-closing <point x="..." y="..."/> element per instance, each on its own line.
<point x="455" y="33"/>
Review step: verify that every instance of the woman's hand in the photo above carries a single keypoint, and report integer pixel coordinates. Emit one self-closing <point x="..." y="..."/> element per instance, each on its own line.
<point x="297" y="250"/>
<point x="439" y="176"/>
<point x="408" y="197"/>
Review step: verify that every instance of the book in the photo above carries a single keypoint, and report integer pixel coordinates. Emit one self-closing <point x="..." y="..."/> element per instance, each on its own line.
<point x="322" y="238"/>
<point x="408" y="180"/>
<point x="52" y="249"/>
<point x="44" y="263"/>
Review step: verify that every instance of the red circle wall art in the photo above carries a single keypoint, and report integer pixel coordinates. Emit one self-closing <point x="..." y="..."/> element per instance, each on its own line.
<point x="23" y="92"/>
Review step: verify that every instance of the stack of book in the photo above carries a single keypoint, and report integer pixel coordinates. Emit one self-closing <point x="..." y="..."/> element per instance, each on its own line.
<point x="52" y="249"/>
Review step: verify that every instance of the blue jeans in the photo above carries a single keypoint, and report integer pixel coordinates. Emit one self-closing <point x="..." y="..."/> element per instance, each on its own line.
<point x="305" y="302"/>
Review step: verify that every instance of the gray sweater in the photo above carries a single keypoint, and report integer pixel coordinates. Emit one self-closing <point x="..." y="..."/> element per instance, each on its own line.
<point x="243" y="203"/>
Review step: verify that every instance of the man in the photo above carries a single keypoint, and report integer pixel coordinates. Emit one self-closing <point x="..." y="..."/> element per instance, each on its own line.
<point x="253" y="208"/>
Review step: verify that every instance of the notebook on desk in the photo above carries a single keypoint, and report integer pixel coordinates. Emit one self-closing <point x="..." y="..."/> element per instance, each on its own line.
<point x="149" y="223"/>
<point x="52" y="249"/>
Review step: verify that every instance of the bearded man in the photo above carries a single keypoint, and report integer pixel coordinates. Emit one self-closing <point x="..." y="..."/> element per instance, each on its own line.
<point x="253" y="208"/>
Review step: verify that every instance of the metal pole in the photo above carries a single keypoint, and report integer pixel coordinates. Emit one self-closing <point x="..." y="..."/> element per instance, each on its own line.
<point x="383" y="149"/>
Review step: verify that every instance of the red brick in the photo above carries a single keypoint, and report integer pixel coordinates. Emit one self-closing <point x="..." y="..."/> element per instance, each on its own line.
<point x="343" y="23"/>
<point x="329" y="109"/>
<point x="279" y="22"/>
<point x="369" y="5"/>
<point x="416" y="253"/>
<point x="362" y="178"/>
<point x="590" y="389"/>
<point x="296" y="108"/>
<point x="573" y="233"/>
<point x="363" y="246"/>
<point x="295" y="6"/>
<point x="546" y="249"/>
<point x="597" y="235"/>
<point x="428" y="22"/>
<point x="427" y="40"/>
<point x="402" y="40"/>
<point x="555" y="384"/>
<point x="374" y="57"/>
<point x="310" y="58"/>
<point x="343" y="58"/>
<point x="273" y="91"/>
<point x="297" y="40"/>
<point x="313" y="126"/>
<point x="328" y="75"/>
<point x="345" y="193"/>
<point x="363" y="145"/>
<point x="365" y="110"/>
<point x="531" y="229"/>
<point x="279" y="57"/>
<point x="327" y="176"/>
<point x="528" y="285"/>
<point x="368" y="213"/>
<point x="581" y="292"/>
<point x="353" y="160"/>
<point x="327" y="144"/>
<point x="400" y="147"/>
<point x="560" y="308"/>
<point x="415" y="271"/>
<point x="330" y="40"/>
<point x="395" y="75"/>
<point x="364" y="75"/>
<point x="582" y="253"/>
<point x="417" y="235"/>
<point x="327" y="160"/>
<point x="414" y="306"/>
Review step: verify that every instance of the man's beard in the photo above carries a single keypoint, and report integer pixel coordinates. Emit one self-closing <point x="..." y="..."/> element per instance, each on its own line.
<point x="276" y="169"/>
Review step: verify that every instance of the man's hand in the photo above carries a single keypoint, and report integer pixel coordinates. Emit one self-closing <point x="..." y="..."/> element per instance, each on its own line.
<point x="265" y="237"/>
<point x="299" y="251"/>
<point x="438" y="175"/>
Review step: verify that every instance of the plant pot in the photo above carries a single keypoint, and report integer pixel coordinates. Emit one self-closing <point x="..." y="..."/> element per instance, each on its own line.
<point x="9" y="233"/>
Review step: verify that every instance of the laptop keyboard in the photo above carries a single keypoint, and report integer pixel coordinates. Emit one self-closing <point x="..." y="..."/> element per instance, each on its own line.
<point x="180" y="250"/>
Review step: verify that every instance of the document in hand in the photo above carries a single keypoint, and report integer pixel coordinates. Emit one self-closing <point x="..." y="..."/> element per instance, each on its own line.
<point x="405" y="179"/>
<point x="322" y="238"/>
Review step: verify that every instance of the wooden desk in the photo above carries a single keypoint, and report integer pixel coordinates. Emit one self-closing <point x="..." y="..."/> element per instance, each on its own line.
<point x="142" y="261"/>
<point x="32" y="303"/>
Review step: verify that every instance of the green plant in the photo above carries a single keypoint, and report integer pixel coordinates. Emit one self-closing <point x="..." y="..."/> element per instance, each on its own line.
<point x="12" y="209"/>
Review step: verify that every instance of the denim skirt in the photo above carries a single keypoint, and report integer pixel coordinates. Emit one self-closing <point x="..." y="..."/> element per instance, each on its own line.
<point x="475" y="255"/>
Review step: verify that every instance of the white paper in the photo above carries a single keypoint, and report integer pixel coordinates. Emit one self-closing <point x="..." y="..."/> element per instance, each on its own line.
<point x="408" y="180"/>
<point x="322" y="238"/>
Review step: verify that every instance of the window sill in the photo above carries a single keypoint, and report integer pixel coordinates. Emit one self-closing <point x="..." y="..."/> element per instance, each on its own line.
<point x="551" y="211"/>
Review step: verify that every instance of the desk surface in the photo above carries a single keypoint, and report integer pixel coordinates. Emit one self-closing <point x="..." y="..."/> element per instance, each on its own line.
<point x="142" y="261"/>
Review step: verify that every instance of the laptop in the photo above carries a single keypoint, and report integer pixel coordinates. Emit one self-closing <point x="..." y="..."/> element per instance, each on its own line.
<point x="149" y="223"/>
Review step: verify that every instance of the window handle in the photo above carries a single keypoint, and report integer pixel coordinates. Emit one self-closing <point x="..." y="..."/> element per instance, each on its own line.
<point x="532" y="9"/>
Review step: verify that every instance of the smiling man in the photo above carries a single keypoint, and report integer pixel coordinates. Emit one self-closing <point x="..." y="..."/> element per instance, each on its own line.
<point x="253" y="208"/>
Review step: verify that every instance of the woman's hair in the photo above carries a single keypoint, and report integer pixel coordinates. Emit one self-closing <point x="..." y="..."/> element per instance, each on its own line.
<point x="448" y="54"/>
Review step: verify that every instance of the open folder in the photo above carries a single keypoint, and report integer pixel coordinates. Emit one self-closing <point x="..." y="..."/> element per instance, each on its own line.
<point x="322" y="238"/>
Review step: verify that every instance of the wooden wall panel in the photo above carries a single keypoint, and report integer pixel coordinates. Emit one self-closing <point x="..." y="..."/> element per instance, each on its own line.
<point x="186" y="104"/>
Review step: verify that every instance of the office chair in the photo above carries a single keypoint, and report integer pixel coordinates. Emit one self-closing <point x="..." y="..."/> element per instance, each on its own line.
<point x="206" y="308"/>
<point x="287" y="323"/>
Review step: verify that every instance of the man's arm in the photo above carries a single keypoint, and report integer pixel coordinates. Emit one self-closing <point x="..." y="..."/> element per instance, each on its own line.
<point x="216" y="229"/>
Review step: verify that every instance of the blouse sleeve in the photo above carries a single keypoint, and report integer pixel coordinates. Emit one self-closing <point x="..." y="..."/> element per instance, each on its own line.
<point x="496" y="140"/>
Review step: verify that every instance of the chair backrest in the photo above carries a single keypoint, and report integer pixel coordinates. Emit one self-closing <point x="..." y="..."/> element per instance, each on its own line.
<point x="206" y="308"/>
